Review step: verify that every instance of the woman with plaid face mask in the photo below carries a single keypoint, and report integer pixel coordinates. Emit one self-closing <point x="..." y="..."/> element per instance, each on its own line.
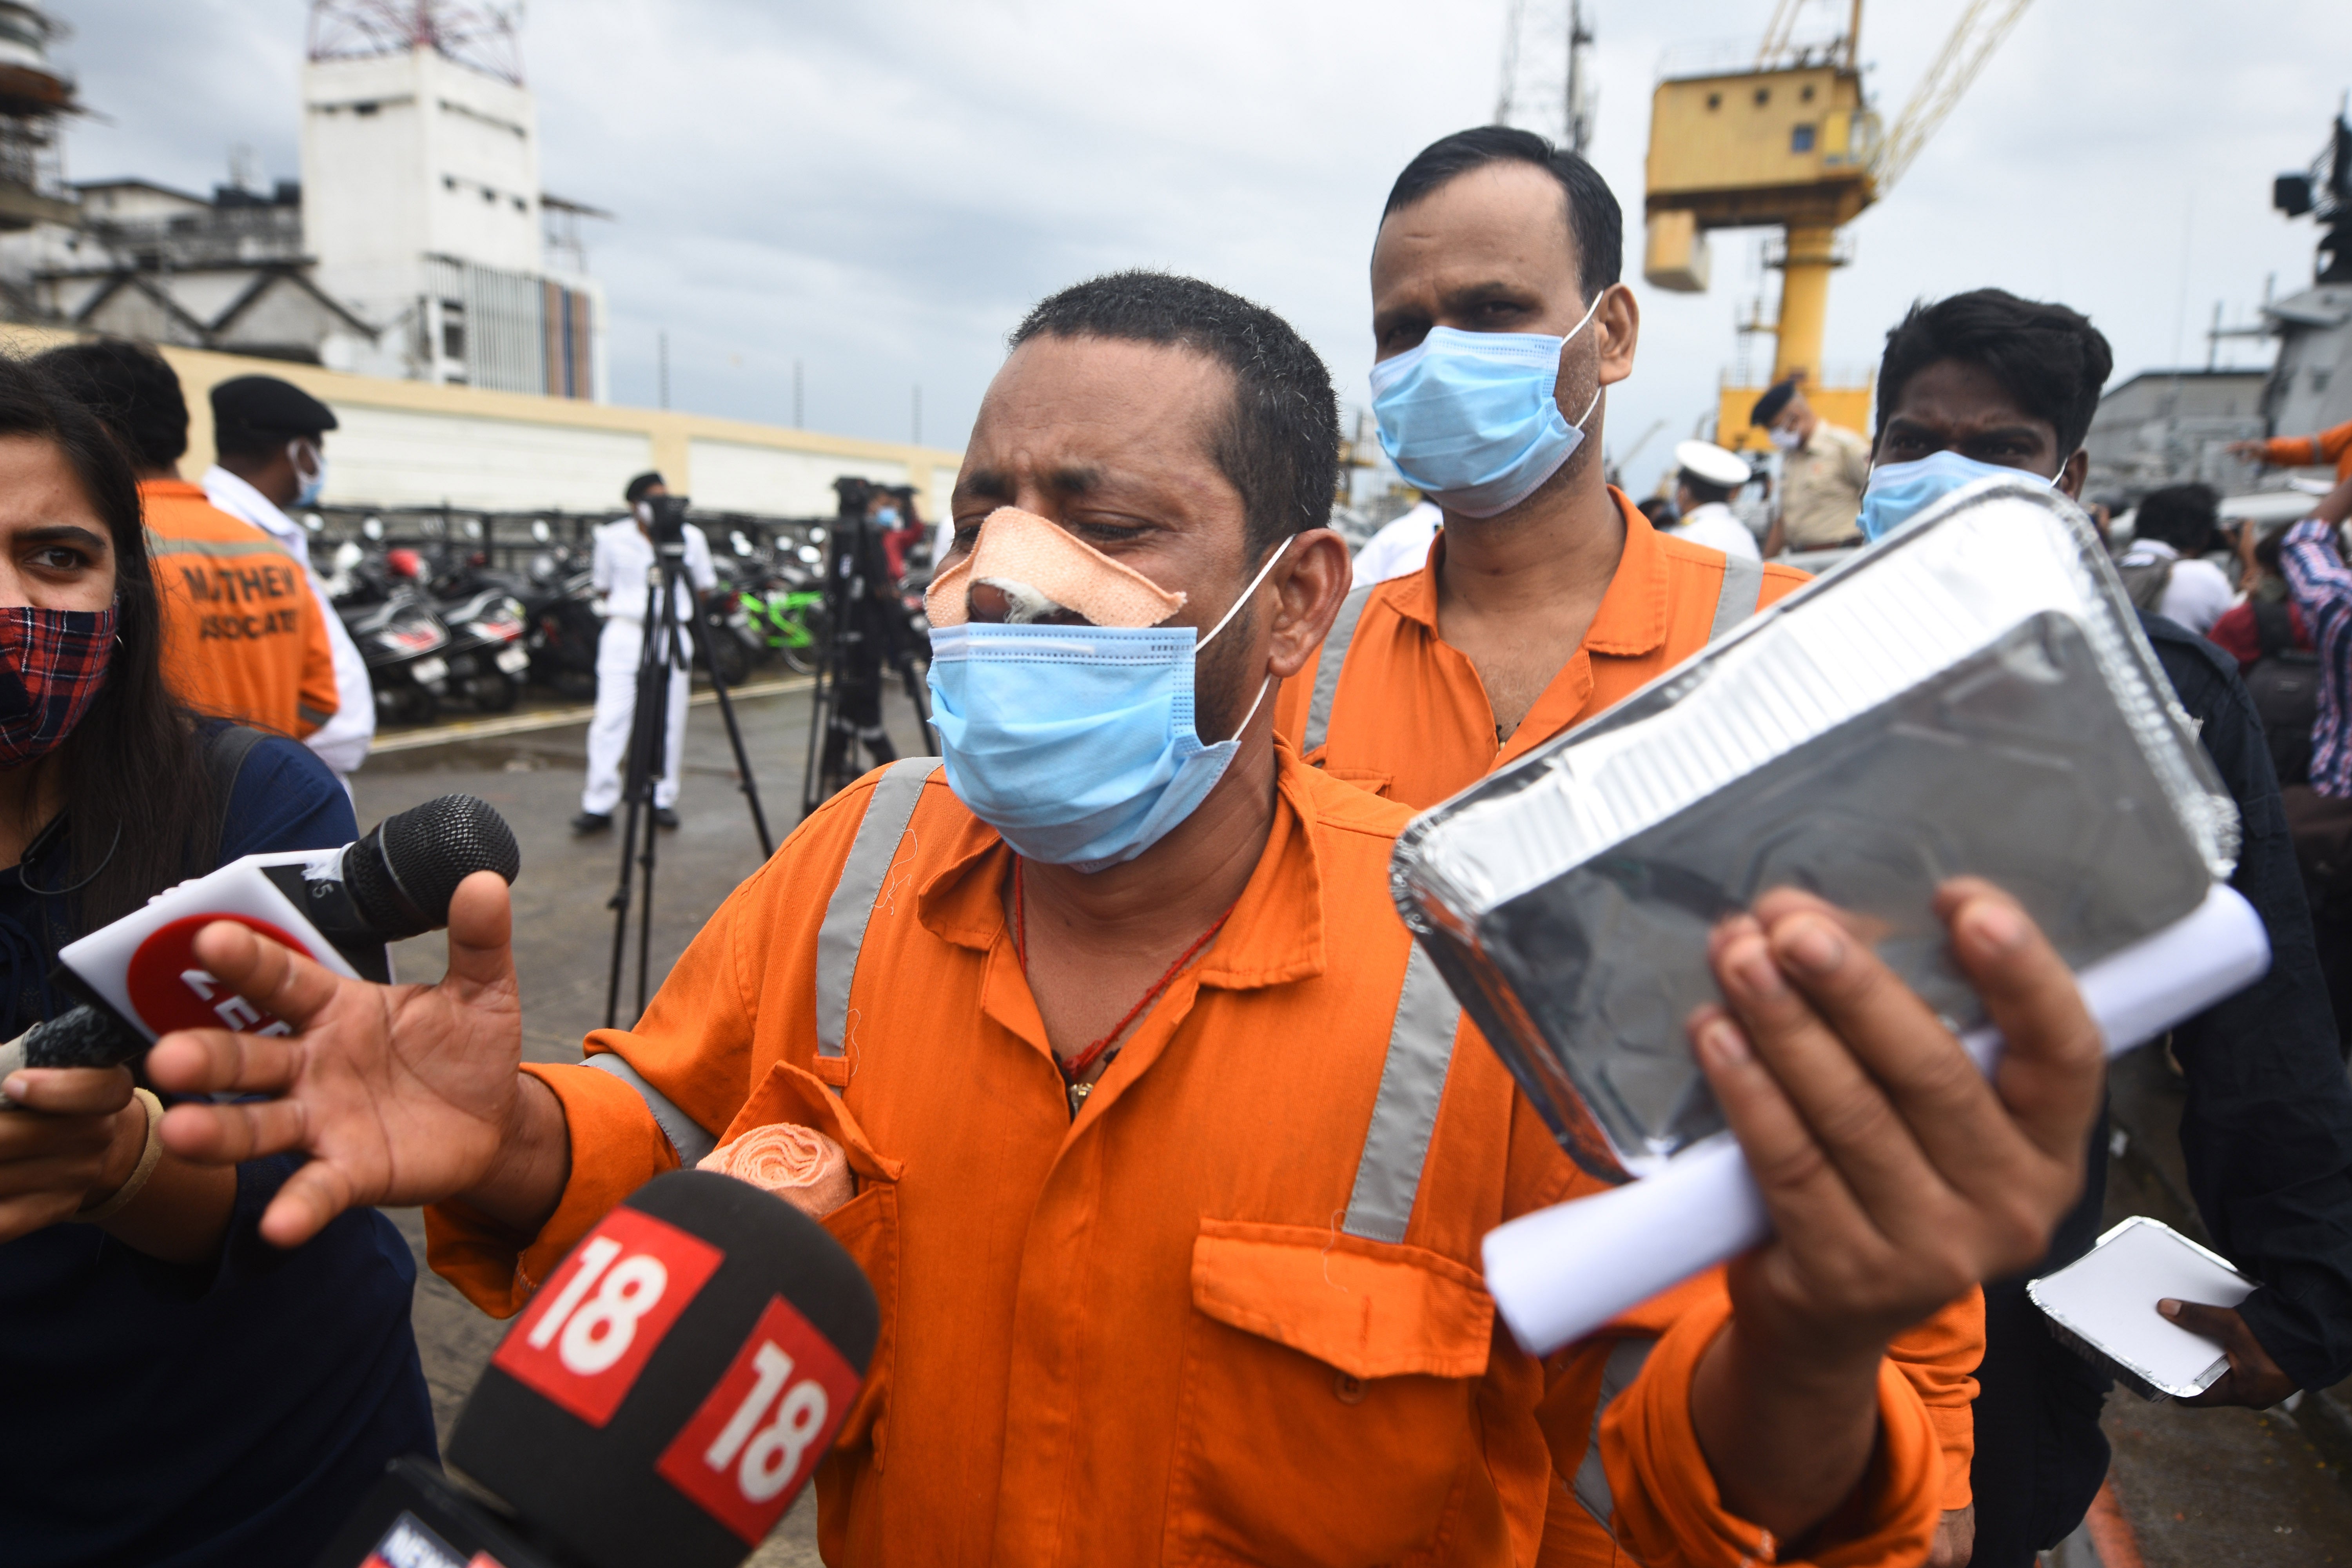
<point x="131" y="1289"/>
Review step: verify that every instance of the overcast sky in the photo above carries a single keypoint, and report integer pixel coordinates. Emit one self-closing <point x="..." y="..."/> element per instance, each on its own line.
<point x="878" y="190"/>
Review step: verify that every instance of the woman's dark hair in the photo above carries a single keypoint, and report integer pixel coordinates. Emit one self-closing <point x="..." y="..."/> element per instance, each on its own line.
<point x="145" y="811"/>
<point x="2049" y="358"/>
<point x="1595" y="223"/>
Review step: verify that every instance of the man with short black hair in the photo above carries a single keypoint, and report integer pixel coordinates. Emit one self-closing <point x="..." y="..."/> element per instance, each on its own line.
<point x="271" y="436"/>
<point x="2165" y="569"/>
<point x="242" y="632"/>
<point x="1172" y="1156"/>
<point x="1822" y="469"/>
<point x="1499" y="323"/>
<point x="2012" y="385"/>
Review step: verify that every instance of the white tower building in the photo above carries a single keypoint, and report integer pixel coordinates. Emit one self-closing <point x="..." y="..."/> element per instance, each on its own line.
<point x="421" y="200"/>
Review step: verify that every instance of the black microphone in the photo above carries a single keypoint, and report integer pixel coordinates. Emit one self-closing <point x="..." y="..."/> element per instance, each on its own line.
<point x="662" y="1401"/>
<point x="398" y="880"/>
<point x="139" y="979"/>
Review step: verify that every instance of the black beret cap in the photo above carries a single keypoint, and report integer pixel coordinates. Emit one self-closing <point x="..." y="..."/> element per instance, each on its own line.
<point x="266" y="403"/>
<point x="1768" y="407"/>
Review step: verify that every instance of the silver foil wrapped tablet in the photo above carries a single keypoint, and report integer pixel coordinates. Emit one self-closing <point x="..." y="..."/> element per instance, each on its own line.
<point x="1971" y="696"/>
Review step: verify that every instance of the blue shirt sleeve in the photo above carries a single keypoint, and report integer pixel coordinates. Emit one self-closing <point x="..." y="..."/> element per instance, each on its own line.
<point x="286" y="799"/>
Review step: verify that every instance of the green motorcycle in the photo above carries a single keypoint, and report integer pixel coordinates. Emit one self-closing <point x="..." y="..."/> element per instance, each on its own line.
<point x="790" y="620"/>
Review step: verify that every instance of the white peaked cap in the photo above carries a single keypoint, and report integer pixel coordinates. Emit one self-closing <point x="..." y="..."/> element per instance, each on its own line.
<point x="1706" y="461"/>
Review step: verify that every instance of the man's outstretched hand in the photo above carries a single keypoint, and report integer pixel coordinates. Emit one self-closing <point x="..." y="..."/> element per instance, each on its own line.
<point x="400" y="1094"/>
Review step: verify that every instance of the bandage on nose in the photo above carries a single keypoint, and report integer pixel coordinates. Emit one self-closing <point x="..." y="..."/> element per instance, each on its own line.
<point x="1023" y="570"/>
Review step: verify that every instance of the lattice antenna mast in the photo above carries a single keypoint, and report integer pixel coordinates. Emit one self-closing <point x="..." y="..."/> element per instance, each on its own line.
<point x="1514" y="23"/>
<point x="482" y="36"/>
<point x="1562" y="106"/>
<point x="1583" y="97"/>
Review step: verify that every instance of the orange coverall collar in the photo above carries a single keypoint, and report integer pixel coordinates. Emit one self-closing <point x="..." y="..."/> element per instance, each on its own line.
<point x="1633" y="613"/>
<point x="1275" y="932"/>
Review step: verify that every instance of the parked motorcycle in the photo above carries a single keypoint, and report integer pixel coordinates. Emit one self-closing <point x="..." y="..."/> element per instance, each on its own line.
<point x="562" y="620"/>
<point x="399" y="637"/>
<point x="487" y="654"/>
<point x="787" y="611"/>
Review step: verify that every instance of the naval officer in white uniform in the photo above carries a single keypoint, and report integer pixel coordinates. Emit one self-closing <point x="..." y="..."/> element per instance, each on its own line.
<point x="1707" y="477"/>
<point x="625" y="565"/>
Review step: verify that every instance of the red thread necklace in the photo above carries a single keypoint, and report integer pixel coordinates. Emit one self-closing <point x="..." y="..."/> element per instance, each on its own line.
<point x="1078" y="1066"/>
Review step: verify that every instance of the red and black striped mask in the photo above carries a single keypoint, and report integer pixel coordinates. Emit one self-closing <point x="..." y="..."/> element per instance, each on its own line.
<point x="52" y="664"/>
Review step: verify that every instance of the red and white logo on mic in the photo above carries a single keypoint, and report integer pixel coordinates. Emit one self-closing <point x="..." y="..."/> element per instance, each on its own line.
<point x="754" y="1441"/>
<point x="590" y="1329"/>
<point x="170" y="990"/>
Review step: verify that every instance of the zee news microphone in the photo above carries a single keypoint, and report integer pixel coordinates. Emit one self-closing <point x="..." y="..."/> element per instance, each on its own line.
<point x="664" y="1398"/>
<point x="139" y="976"/>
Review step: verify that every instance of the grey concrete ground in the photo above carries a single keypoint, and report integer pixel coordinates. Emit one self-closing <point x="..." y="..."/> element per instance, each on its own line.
<point x="2200" y="1488"/>
<point x="2215" y="1488"/>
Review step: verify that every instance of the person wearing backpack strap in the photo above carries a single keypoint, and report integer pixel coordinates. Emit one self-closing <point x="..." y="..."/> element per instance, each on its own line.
<point x="2163" y="570"/>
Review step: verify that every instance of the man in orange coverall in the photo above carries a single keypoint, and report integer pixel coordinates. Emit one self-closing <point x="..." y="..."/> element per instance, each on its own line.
<point x="1173" y="1157"/>
<point x="2333" y="444"/>
<point x="1531" y="617"/>
<point x="243" y="638"/>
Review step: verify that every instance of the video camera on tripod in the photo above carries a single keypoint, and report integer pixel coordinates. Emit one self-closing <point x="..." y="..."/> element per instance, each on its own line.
<point x="672" y="642"/>
<point x="869" y="633"/>
<point x="665" y="519"/>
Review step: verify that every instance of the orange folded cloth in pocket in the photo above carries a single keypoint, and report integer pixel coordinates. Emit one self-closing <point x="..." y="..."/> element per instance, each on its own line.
<point x="799" y="1164"/>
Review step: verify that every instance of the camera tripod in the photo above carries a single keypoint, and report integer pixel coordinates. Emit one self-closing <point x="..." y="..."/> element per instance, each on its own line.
<point x="664" y="651"/>
<point x="867" y="636"/>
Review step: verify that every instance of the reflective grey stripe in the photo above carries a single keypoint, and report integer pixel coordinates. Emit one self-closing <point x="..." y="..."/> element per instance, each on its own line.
<point x="1592" y="1476"/>
<point x="165" y="544"/>
<point x="1327" y="667"/>
<point x="888" y="811"/>
<point x="1743" y="586"/>
<point x="685" y="1134"/>
<point x="1413" y="1081"/>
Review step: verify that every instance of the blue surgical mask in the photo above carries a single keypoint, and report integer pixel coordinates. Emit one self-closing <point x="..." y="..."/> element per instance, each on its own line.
<point x="314" y="480"/>
<point x="1471" y="419"/>
<point x="1076" y="742"/>
<point x="1897" y="492"/>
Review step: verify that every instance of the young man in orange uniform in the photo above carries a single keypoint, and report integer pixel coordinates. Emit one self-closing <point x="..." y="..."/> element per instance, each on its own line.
<point x="242" y="635"/>
<point x="1547" y="598"/>
<point x="1172" y="1155"/>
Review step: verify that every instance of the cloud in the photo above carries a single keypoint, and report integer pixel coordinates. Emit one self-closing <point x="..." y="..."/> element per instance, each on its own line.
<point x="878" y="191"/>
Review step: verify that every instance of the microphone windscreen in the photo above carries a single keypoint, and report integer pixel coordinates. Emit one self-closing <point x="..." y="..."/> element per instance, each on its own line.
<point x="674" y="1381"/>
<point x="402" y="876"/>
<point x="82" y="1036"/>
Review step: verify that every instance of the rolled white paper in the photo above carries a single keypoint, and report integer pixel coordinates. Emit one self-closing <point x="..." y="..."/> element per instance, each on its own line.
<point x="1560" y="1273"/>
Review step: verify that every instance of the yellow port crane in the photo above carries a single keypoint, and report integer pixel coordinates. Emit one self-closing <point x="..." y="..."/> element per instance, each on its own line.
<point x="1789" y="142"/>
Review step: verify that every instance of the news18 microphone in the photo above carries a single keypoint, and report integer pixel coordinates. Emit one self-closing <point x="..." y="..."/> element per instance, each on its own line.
<point x="139" y="977"/>
<point x="662" y="1401"/>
